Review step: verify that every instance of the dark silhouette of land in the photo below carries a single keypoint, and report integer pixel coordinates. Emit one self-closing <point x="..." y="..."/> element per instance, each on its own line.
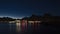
<point x="45" y="19"/>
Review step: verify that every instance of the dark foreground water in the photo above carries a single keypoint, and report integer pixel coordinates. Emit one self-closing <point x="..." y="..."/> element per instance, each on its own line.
<point x="30" y="29"/>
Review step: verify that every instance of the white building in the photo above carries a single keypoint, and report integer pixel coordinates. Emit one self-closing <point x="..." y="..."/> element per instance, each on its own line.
<point x="34" y="21"/>
<point x="30" y="21"/>
<point x="18" y="22"/>
<point x="11" y="21"/>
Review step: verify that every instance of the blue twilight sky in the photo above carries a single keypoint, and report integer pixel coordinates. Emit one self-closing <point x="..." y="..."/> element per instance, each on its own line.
<point x="21" y="8"/>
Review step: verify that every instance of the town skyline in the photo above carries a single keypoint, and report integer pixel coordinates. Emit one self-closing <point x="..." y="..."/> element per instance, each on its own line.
<point x="20" y="17"/>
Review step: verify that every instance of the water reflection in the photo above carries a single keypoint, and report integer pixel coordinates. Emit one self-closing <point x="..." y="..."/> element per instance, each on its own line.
<point x="18" y="27"/>
<point x="10" y="27"/>
<point x="15" y="28"/>
<point x="22" y="28"/>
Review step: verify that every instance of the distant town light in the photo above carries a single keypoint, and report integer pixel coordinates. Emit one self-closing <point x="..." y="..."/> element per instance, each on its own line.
<point x="18" y="24"/>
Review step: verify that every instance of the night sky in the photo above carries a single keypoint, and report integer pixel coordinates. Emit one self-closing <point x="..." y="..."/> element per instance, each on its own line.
<point x="21" y="8"/>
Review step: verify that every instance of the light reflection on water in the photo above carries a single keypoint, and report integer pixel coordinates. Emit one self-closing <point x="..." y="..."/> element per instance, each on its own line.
<point x="19" y="28"/>
<point x="12" y="28"/>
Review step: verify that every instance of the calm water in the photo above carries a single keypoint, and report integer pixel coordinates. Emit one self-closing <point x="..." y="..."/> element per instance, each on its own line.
<point x="30" y="29"/>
